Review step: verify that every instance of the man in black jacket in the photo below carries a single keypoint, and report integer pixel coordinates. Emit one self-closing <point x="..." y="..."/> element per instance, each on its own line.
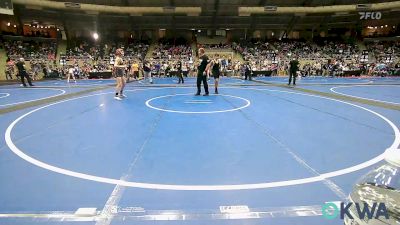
<point x="22" y="72"/>
<point x="294" y="67"/>
<point x="202" y="70"/>
<point x="180" y="73"/>
<point x="247" y="71"/>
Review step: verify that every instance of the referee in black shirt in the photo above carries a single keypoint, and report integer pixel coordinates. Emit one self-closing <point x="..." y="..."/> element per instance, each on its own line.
<point x="202" y="68"/>
<point x="180" y="73"/>
<point x="294" y="67"/>
<point x="22" y="72"/>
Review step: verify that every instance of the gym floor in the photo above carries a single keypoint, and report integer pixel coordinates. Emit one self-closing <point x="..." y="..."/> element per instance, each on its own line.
<point x="257" y="153"/>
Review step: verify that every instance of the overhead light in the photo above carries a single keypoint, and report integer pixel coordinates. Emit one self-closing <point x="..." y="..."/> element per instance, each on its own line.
<point x="199" y="31"/>
<point x="272" y="33"/>
<point x="15" y="25"/>
<point x="95" y="36"/>
<point x="381" y="26"/>
<point x="394" y="27"/>
<point x="386" y="25"/>
<point x="162" y="28"/>
<point x="41" y="27"/>
<point x="227" y="29"/>
<point x="58" y="29"/>
<point x="8" y="24"/>
<point x="192" y="29"/>
<point x="376" y="27"/>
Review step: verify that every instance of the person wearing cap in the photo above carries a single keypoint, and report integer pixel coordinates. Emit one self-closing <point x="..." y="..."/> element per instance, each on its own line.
<point x="294" y="67"/>
<point x="22" y="72"/>
<point x="202" y="68"/>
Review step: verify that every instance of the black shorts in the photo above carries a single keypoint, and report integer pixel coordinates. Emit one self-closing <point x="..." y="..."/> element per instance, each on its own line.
<point x="119" y="73"/>
<point x="216" y="75"/>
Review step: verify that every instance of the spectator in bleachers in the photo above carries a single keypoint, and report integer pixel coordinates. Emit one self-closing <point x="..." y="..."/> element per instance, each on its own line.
<point x="9" y="70"/>
<point x="30" y="50"/>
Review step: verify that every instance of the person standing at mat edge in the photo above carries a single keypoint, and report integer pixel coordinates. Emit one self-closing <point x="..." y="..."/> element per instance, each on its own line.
<point x="119" y="70"/>
<point x="180" y="73"/>
<point x="204" y="65"/>
<point x="247" y="71"/>
<point x="294" y="67"/>
<point x="22" y="72"/>
<point x="147" y="72"/>
<point x="71" y="72"/>
<point x="216" y="70"/>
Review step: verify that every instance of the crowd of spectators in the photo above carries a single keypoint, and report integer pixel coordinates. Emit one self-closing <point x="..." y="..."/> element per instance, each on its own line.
<point x="172" y="52"/>
<point x="165" y="58"/>
<point x="338" y="50"/>
<point x="285" y="49"/>
<point x="30" y="50"/>
<point x="84" y="50"/>
<point x="316" y="50"/>
<point x="384" y="51"/>
<point x="326" y="57"/>
<point x="215" y="46"/>
<point x="258" y="53"/>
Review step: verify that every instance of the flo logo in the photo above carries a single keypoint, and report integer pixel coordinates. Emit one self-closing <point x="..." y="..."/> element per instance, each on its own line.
<point x="370" y="15"/>
<point x="350" y="210"/>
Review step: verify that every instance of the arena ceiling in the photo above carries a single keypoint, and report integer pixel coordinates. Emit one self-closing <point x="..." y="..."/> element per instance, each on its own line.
<point x="215" y="14"/>
<point x="225" y="2"/>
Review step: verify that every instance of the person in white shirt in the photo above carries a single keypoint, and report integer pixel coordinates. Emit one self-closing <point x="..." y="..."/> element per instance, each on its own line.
<point x="185" y="69"/>
<point x="71" y="72"/>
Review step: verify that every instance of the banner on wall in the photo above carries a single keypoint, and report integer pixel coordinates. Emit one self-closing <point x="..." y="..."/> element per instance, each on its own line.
<point x="6" y="7"/>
